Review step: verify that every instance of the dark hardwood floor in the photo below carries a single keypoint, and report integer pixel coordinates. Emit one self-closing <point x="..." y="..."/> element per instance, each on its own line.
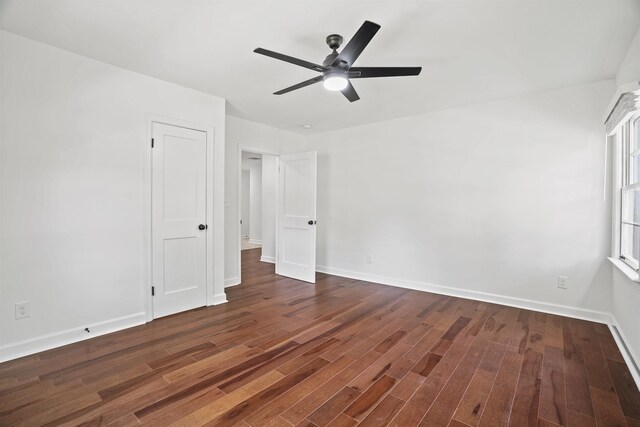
<point x="342" y="352"/>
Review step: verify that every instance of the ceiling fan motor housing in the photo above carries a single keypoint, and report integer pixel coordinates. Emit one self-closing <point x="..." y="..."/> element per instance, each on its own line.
<point x="334" y="41"/>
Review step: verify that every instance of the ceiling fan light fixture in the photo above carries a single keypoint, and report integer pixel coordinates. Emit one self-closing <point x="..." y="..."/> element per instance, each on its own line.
<point x="335" y="81"/>
<point x="337" y="68"/>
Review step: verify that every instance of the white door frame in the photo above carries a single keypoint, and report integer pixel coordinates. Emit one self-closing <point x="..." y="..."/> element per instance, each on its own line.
<point x="250" y="149"/>
<point x="215" y="203"/>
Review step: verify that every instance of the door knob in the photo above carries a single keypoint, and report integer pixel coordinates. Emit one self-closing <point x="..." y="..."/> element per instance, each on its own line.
<point x="312" y="222"/>
<point x="203" y="227"/>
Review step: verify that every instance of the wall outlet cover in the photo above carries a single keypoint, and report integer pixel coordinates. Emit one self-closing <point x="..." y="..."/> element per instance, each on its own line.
<point x="22" y="310"/>
<point x="563" y="282"/>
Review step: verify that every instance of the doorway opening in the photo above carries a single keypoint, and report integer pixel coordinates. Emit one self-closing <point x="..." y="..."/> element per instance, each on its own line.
<point x="258" y="186"/>
<point x="282" y="204"/>
<point x="251" y="201"/>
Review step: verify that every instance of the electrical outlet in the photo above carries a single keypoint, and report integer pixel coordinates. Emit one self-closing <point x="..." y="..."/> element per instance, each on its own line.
<point x="563" y="282"/>
<point x="22" y="310"/>
<point x="370" y="258"/>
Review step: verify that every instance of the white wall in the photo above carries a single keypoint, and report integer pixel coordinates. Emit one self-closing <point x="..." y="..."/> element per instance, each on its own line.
<point x="626" y="304"/>
<point x="629" y="70"/>
<point x="498" y="198"/>
<point x="245" y="210"/>
<point x="257" y="138"/>
<point x="72" y="144"/>
<point x="255" y="178"/>
<point x="269" y="206"/>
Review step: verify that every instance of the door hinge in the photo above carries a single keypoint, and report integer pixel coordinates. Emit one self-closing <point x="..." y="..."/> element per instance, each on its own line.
<point x="151" y="142"/>
<point x="153" y="291"/>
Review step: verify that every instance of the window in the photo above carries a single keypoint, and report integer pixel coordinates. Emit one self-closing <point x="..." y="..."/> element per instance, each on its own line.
<point x="630" y="193"/>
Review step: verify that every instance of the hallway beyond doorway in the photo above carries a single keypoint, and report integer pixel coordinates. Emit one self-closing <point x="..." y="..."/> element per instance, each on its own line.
<point x="247" y="244"/>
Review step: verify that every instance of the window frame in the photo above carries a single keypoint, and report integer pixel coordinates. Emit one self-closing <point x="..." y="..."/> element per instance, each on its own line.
<point x="626" y="137"/>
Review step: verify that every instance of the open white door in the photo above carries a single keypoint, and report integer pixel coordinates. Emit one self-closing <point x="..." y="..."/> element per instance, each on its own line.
<point x="297" y="217"/>
<point x="179" y="226"/>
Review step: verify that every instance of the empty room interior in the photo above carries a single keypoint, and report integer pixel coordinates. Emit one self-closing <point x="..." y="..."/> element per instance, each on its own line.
<point x="320" y="213"/>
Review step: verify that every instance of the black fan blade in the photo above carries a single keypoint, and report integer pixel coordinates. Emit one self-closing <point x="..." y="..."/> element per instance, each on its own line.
<point x="290" y="59"/>
<point x="299" y="85"/>
<point x="369" y="72"/>
<point x="358" y="42"/>
<point x="350" y="93"/>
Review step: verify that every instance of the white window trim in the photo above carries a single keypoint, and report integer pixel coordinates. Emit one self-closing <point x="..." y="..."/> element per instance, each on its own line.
<point x="626" y="136"/>
<point x="616" y="215"/>
<point x="614" y="137"/>
<point x="625" y="269"/>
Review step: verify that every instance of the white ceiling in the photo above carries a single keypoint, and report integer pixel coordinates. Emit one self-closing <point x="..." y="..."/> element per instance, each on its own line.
<point x="470" y="51"/>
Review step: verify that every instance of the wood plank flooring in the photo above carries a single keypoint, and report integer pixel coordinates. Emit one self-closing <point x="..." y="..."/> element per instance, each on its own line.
<point x="340" y="353"/>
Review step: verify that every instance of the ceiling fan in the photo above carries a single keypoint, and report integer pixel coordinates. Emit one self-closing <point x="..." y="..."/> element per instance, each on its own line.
<point x="337" y="68"/>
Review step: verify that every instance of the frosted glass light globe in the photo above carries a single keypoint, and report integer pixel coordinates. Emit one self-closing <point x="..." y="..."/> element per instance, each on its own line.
<point x="335" y="81"/>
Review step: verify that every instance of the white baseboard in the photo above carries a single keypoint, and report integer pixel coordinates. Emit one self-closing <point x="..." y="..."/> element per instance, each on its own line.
<point x="270" y="259"/>
<point x="255" y="242"/>
<point x="632" y="359"/>
<point x="69" y="336"/>
<point x="220" y="299"/>
<point x="233" y="281"/>
<point x="562" y="310"/>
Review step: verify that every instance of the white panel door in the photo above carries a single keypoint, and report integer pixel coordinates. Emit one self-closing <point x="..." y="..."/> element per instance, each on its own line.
<point x="297" y="217"/>
<point x="178" y="219"/>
